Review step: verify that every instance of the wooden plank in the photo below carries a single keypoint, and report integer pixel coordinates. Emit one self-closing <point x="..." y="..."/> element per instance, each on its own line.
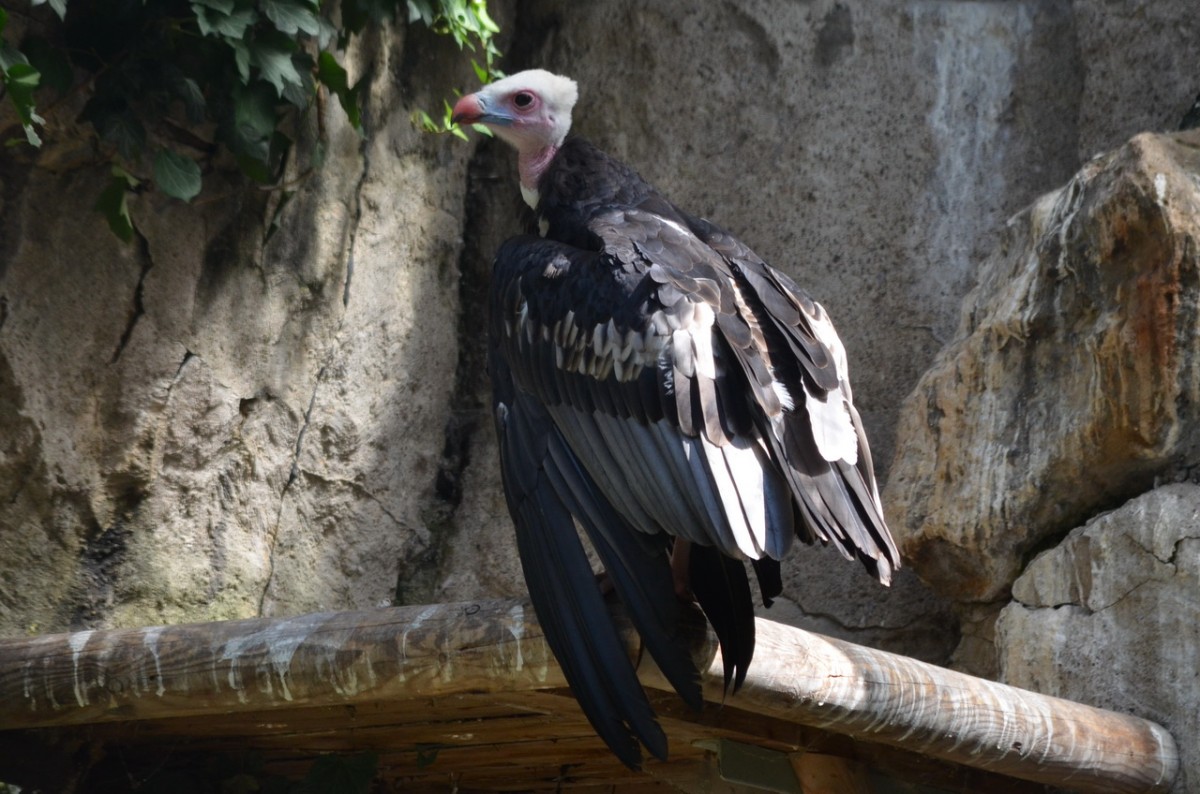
<point x="482" y="729"/>
<point x="405" y="654"/>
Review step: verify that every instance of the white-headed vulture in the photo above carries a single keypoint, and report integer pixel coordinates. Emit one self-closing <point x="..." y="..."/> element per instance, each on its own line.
<point x="685" y="403"/>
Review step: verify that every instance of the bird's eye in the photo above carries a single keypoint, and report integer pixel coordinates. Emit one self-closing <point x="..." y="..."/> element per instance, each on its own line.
<point x="523" y="100"/>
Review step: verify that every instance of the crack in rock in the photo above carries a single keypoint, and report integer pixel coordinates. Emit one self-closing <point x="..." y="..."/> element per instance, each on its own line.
<point x="842" y="624"/>
<point x="351" y="236"/>
<point x="312" y="401"/>
<point x="360" y="490"/>
<point x="364" y="151"/>
<point x="294" y="471"/>
<point x="1172" y="561"/>
<point x="292" y="475"/>
<point x="139" y="307"/>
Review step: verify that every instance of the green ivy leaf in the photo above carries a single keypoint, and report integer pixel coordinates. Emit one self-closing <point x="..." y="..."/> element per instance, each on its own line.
<point x="23" y="75"/>
<point x="481" y="72"/>
<point x="194" y="103"/>
<point x="253" y="122"/>
<point x="223" y="6"/>
<point x="291" y="16"/>
<point x="326" y="33"/>
<point x="485" y="23"/>
<point x="468" y="23"/>
<point x="123" y="130"/>
<point x="114" y="206"/>
<point x="59" y="6"/>
<point x="145" y="63"/>
<point x="31" y="136"/>
<point x="273" y="57"/>
<point x="334" y="77"/>
<point x="233" y="25"/>
<point x="51" y="61"/>
<point x="21" y="80"/>
<point x="422" y="10"/>
<point x="176" y="175"/>
<point x="300" y="95"/>
<point x="10" y="56"/>
<point x="254" y="111"/>
<point x="241" y="56"/>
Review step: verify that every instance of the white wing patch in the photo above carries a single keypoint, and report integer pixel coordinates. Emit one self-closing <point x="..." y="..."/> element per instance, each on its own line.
<point x="604" y="350"/>
<point x="829" y="413"/>
<point x="738" y="474"/>
<point x="832" y="429"/>
<point x="692" y="340"/>
<point x="824" y="331"/>
<point x="702" y="339"/>
<point x="784" y="396"/>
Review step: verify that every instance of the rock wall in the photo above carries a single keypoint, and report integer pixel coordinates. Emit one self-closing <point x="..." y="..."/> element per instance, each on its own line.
<point x="217" y="422"/>
<point x="243" y="411"/>
<point x="873" y="151"/>
<point x="1109" y="616"/>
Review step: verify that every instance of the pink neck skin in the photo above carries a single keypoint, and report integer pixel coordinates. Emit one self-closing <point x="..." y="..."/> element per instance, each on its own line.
<point x="532" y="165"/>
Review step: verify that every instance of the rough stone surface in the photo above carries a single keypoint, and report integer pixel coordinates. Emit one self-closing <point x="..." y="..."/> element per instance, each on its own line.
<point x="872" y="152"/>
<point x="217" y="422"/>
<point x="301" y="422"/>
<point x="1076" y="377"/>
<point x="1109" y="617"/>
<point x="1124" y="43"/>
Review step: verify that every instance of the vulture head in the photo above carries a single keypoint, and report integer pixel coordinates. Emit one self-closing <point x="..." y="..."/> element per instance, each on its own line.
<point x="530" y="111"/>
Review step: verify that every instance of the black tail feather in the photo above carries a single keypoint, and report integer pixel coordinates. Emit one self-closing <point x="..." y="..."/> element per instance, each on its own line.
<point x="721" y="587"/>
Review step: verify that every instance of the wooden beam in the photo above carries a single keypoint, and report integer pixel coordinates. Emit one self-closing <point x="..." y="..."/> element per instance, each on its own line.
<point x="882" y="697"/>
<point x="413" y="652"/>
<point x="273" y="663"/>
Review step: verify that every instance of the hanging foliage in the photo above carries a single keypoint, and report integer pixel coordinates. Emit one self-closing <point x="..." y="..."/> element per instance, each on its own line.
<point x="172" y="82"/>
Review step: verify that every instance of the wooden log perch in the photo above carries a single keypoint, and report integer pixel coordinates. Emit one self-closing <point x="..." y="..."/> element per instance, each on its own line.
<point x="882" y="697"/>
<point x="496" y="646"/>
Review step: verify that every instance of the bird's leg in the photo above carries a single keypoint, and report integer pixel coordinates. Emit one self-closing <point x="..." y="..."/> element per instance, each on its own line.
<point x="681" y="554"/>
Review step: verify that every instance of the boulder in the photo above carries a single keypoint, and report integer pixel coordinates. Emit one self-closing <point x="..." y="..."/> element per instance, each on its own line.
<point x="1075" y="380"/>
<point x="1109" y="617"/>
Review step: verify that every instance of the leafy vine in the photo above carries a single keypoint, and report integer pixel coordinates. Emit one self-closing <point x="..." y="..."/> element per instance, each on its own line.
<point x="172" y="82"/>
